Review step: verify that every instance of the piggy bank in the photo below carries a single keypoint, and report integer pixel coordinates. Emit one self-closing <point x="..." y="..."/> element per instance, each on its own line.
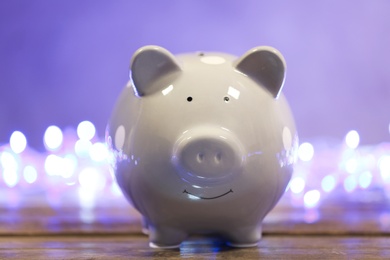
<point x="203" y="143"/>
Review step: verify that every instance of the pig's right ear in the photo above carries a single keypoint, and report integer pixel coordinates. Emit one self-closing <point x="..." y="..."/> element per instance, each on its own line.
<point x="266" y="66"/>
<point x="148" y="64"/>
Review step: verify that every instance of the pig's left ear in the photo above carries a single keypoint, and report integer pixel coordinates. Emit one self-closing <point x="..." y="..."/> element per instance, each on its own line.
<point x="266" y="66"/>
<point x="148" y="64"/>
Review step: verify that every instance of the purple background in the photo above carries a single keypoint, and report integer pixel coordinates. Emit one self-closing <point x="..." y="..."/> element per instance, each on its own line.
<point x="62" y="62"/>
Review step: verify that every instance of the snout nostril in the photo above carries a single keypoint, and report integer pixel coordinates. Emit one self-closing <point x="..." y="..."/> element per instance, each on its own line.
<point x="200" y="157"/>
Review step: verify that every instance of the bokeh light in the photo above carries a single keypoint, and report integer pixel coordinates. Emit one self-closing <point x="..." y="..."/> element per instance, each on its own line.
<point x="18" y="142"/>
<point x="10" y="169"/>
<point x="53" y="138"/>
<point x="350" y="183"/>
<point x="328" y="183"/>
<point x="311" y="198"/>
<point x="9" y="162"/>
<point x="352" y="139"/>
<point x="86" y="130"/>
<point x="384" y="167"/>
<point x="53" y="164"/>
<point x="30" y="174"/>
<point x="306" y="152"/>
<point x="81" y="163"/>
<point x="82" y="147"/>
<point x="351" y="165"/>
<point x="87" y="199"/>
<point x="69" y="165"/>
<point x="59" y="166"/>
<point x="365" y="179"/>
<point x="98" y="152"/>
<point x="297" y="185"/>
<point x="11" y="177"/>
<point x="92" y="179"/>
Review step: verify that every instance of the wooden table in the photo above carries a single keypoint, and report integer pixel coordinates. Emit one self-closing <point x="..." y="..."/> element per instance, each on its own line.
<point x="334" y="231"/>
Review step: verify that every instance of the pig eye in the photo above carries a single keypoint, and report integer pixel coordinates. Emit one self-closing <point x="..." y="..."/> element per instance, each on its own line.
<point x="226" y="99"/>
<point x="189" y="99"/>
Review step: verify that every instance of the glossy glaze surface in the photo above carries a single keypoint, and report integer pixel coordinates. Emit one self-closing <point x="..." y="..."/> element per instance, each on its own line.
<point x="203" y="142"/>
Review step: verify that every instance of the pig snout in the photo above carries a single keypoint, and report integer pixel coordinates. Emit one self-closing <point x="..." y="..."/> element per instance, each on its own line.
<point x="208" y="155"/>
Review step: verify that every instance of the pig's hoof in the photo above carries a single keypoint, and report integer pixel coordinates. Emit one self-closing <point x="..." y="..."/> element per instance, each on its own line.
<point x="154" y="245"/>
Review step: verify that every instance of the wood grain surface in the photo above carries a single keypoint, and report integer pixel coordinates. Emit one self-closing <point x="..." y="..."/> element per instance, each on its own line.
<point x="335" y="231"/>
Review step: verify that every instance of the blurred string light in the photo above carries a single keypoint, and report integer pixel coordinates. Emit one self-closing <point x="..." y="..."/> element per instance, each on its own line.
<point x="352" y="139"/>
<point x="86" y="130"/>
<point x="81" y="168"/>
<point x="86" y="199"/>
<point x="53" y="138"/>
<point x="10" y="169"/>
<point x="18" y="142"/>
<point x="53" y="164"/>
<point x="365" y="179"/>
<point x="98" y="152"/>
<point x="82" y="147"/>
<point x="69" y="163"/>
<point x="11" y="178"/>
<point x="60" y="166"/>
<point x="297" y="185"/>
<point x="311" y="198"/>
<point x="351" y="165"/>
<point x="328" y="183"/>
<point x="350" y="183"/>
<point x="30" y="174"/>
<point x="305" y="152"/>
<point x="8" y="161"/>
<point x="92" y="179"/>
<point x="384" y="167"/>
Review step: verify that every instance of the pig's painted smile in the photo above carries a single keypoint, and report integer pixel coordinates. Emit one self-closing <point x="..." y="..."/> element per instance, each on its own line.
<point x="208" y="198"/>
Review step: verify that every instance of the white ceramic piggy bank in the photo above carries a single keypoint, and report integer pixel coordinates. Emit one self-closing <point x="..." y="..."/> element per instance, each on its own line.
<point x="203" y="143"/>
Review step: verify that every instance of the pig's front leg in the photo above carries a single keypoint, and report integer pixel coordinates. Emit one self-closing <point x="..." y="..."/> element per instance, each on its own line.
<point x="244" y="236"/>
<point x="166" y="237"/>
